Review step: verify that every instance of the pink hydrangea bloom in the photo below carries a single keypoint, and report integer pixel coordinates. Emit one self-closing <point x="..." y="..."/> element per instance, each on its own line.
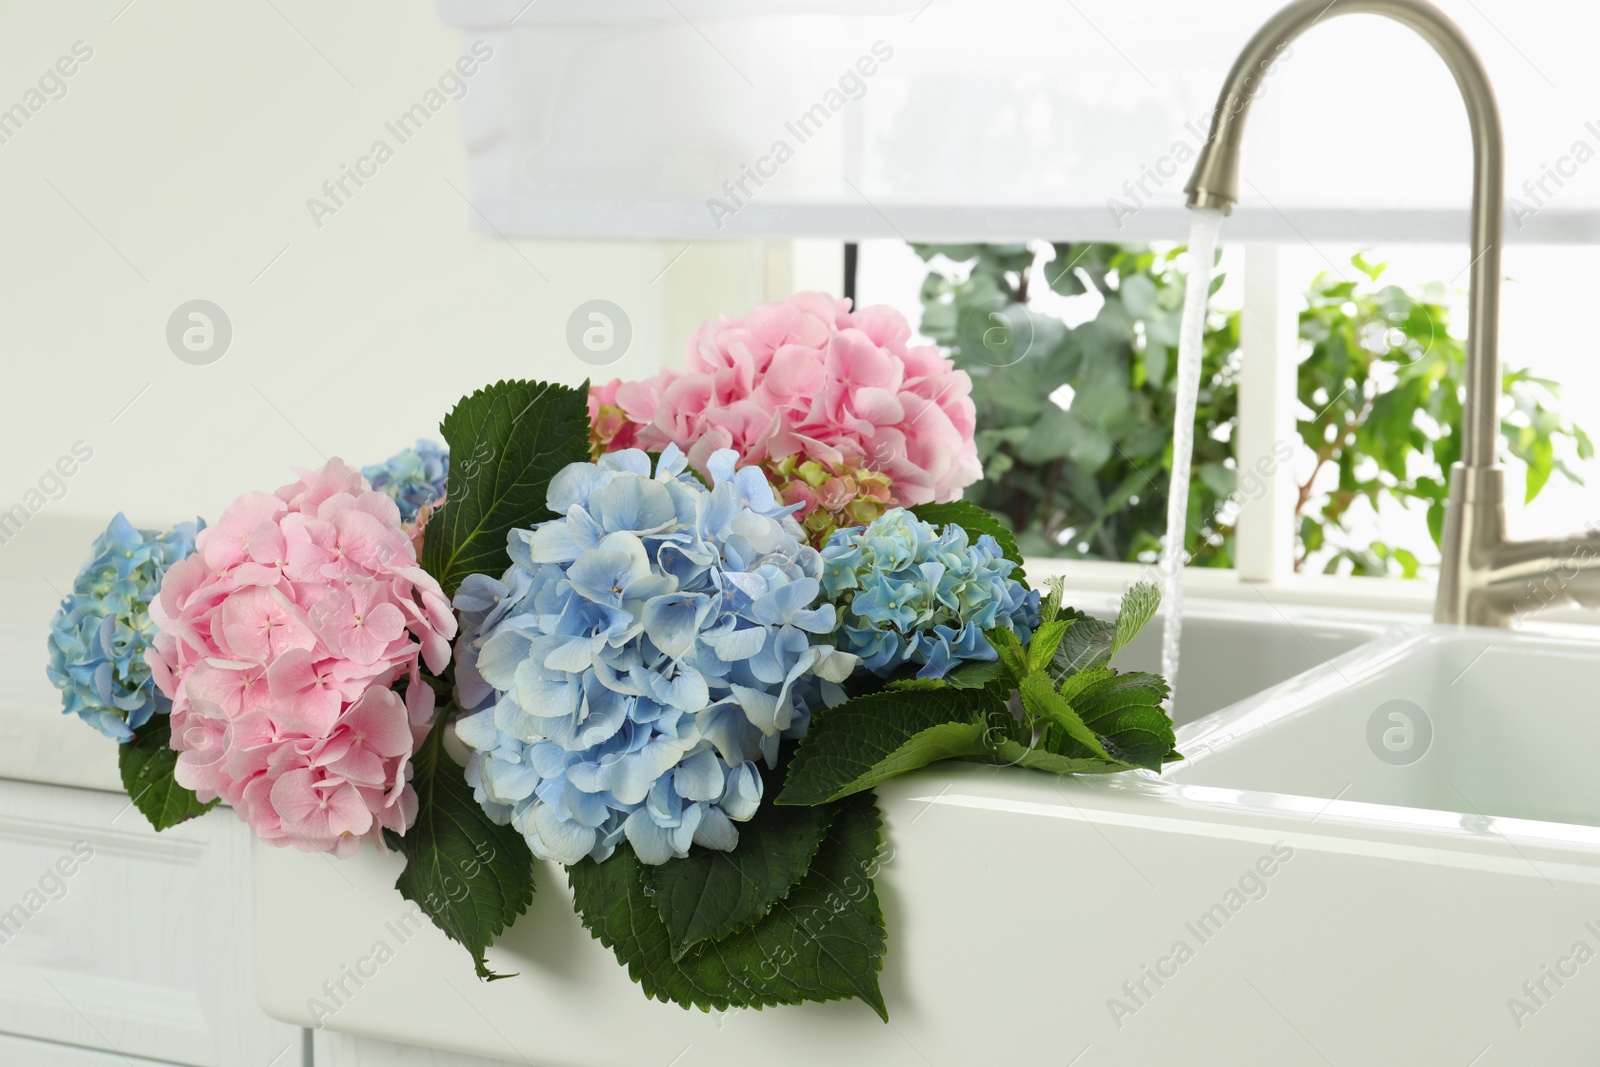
<point x="610" y="430"/>
<point x="280" y="640"/>
<point x="809" y="380"/>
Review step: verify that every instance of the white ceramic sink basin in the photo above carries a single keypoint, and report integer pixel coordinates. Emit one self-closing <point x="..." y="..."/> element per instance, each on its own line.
<point x="1473" y="722"/>
<point x="1287" y="897"/>
<point x="1232" y="651"/>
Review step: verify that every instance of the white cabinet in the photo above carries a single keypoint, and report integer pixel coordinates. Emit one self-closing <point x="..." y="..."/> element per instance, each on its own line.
<point x="125" y="944"/>
<point x="346" y="1050"/>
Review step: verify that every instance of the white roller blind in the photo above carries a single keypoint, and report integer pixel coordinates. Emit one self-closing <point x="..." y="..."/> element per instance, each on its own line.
<point x="1003" y="119"/>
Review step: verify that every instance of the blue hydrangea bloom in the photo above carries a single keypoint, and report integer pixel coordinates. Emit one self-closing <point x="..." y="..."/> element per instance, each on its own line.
<point x="414" y="478"/>
<point x="640" y="656"/>
<point x="909" y="593"/>
<point x="100" y="633"/>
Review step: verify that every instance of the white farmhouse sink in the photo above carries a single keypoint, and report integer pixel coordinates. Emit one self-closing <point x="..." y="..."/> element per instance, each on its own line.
<point x="1232" y="651"/>
<point x="1473" y="722"/>
<point x="1288" y="897"/>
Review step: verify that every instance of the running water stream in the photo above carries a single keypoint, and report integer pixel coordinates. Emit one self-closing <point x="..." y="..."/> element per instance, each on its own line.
<point x="1203" y="232"/>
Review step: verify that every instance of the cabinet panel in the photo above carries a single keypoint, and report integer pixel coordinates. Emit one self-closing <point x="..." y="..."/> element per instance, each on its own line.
<point x="116" y="938"/>
<point x="346" y="1050"/>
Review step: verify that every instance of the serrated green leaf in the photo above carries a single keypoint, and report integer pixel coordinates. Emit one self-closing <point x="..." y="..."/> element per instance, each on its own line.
<point x="1139" y="606"/>
<point x="1040" y="699"/>
<point x="871" y="739"/>
<point x="1086" y="644"/>
<point x="977" y="522"/>
<point x="710" y="894"/>
<point x="1016" y="754"/>
<point x="1055" y="592"/>
<point x="1042" y="647"/>
<point x="916" y="685"/>
<point x="824" y="941"/>
<point x="471" y="877"/>
<point x="506" y="442"/>
<point x="147" y="764"/>
<point x="1009" y="647"/>
<point x="1125" y="712"/>
<point x="975" y="674"/>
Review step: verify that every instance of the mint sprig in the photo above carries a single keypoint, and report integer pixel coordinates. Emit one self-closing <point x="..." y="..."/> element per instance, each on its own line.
<point x="1078" y="717"/>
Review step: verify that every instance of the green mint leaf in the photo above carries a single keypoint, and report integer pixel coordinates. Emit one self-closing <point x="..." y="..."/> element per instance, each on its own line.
<point x="1042" y="647"/>
<point x="471" y="877"/>
<point x="1086" y="644"/>
<point x="823" y="941"/>
<point x="871" y="739"/>
<point x="147" y="764"/>
<point x="977" y="522"/>
<point x="1050" y="608"/>
<point x="1009" y="647"/>
<point x="506" y="442"/>
<point x="708" y="895"/>
<point x="1138" y="607"/>
<point x="1040" y="699"/>
<point x="1012" y="753"/>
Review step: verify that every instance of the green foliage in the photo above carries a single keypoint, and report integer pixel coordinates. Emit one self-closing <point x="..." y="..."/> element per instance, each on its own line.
<point x="506" y="442"/>
<point x="471" y="877"/>
<point x="824" y="940"/>
<point x="1380" y="382"/>
<point x="873" y="738"/>
<point x="1077" y="719"/>
<point x="147" y="764"/>
<point x="708" y="895"/>
<point x="1090" y="481"/>
<point x="1382" y="390"/>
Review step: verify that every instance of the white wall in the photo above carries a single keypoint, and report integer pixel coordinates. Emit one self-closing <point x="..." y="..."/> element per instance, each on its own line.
<point x="178" y="165"/>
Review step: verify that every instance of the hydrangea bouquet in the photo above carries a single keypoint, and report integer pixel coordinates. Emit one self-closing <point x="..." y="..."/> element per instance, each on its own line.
<point x="679" y="629"/>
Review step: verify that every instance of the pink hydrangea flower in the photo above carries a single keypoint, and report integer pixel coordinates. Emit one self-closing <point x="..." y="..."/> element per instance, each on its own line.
<point x="280" y="640"/>
<point x="610" y="430"/>
<point x="809" y="381"/>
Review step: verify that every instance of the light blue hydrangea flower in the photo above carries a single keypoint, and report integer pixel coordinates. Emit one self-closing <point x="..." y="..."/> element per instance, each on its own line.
<point x="100" y="633"/>
<point x="639" y="657"/>
<point x="909" y="593"/>
<point x="413" y="478"/>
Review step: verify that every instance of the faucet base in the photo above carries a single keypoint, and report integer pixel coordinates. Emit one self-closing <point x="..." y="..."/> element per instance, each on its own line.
<point x="1474" y="529"/>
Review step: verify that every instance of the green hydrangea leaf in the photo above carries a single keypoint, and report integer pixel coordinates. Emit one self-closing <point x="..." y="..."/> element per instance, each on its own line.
<point x="871" y="739"/>
<point x="147" y="764"/>
<point x="1125" y="713"/>
<point x="708" y="894"/>
<point x="506" y="442"/>
<point x="975" y="674"/>
<point x="823" y="941"/>
<point x="977" y="522"/>
<point x="471" y="877"/>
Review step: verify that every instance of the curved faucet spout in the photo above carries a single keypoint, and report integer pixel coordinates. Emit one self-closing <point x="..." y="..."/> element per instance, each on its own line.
<point x="1215" y="182"/>
<point x="1474" y="526"/>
